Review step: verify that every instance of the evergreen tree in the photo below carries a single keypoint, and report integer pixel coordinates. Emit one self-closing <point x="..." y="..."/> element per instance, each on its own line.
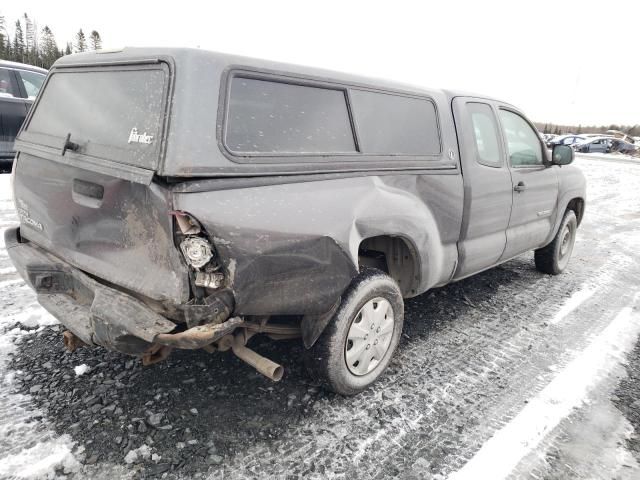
<point x="81" y="42"/>
<point x="49" y="52"/>
<point x="67" y="50"/>
<point x="8" y="50"/>
<point x="96" y="41"/>
<point x="18" y="44"/>
<point x="3" y="38"/>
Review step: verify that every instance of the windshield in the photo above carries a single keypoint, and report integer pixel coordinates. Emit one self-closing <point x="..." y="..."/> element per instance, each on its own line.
<point x="112" y="114"/>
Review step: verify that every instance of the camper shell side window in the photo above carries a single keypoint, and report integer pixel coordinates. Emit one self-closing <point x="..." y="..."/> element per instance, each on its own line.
<point x="274" y="116"/>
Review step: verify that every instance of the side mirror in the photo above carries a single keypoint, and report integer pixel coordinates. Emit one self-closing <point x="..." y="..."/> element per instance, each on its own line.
<point x="561" y="155"/>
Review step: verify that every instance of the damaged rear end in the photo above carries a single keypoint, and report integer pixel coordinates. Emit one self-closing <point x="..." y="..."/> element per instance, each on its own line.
<point x="99" y="239"/>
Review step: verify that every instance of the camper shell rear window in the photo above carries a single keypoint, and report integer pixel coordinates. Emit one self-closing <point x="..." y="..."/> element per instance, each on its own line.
<point x="114" y="113"/>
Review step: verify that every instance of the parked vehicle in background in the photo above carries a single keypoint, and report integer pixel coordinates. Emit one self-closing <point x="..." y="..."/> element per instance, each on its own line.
<point x="19" y="86"/>
<point x="568" y="139"/>
<point x="621" y="135"/>
<point x="621" y="146"/>
<point x="593" y="145"/>
<point x="606" y="144"/>
<point x="218" y="197"/>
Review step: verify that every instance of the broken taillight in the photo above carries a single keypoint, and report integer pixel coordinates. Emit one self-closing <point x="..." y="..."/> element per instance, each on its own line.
<point x="198" y="251"/>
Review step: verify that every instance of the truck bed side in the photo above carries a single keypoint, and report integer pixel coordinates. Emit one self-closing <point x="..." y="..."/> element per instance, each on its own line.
<point x="292" y="248"/>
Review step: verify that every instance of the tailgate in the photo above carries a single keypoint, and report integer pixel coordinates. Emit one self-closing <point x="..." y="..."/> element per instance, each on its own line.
<point x="114" y="229"/>
<point x="82" y="203"/>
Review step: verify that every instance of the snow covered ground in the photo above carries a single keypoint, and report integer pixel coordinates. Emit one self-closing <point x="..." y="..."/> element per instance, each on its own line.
<point x="509" y="374"/>
<point x="616" y="157"/>
<point x="28" y="448"/>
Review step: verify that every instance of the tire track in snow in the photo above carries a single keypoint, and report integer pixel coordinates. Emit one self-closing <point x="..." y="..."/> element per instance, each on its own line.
<point x="501" y="454"/>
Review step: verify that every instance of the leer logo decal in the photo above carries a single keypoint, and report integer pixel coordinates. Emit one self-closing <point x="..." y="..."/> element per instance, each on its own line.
<point x="136" y="137"/>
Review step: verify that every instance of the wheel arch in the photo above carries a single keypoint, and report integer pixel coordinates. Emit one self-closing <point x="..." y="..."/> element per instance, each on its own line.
<point x="577" y="205"/>
<point x="397" y="256"/>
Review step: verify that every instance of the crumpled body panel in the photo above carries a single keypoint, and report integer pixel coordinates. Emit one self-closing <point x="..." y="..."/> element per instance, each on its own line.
<point x="292" y="247"/>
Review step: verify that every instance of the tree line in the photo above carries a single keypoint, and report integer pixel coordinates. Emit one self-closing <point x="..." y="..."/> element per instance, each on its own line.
<point x="35" y="46"/>
<point x="632" y="130"/>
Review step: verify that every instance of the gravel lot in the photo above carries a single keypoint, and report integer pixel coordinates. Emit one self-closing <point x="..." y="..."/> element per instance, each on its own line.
<point x="475" y="357"/>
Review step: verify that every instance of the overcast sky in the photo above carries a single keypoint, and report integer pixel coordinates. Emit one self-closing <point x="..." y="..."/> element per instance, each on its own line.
<point x="560" y="61"/>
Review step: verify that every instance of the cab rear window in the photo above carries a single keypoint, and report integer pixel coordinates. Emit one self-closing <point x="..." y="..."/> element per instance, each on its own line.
<point x="112" y="114"/>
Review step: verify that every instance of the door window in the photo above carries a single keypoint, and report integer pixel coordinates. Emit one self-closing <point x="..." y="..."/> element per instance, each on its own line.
<point x="522" y="141"/>
<point x="485" y="130"/>
<point x="7" y="89"/>
<point x="32" y="82"/>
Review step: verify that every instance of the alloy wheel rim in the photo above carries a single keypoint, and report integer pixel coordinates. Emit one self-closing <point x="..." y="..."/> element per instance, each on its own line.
<point x="369" y="336"/>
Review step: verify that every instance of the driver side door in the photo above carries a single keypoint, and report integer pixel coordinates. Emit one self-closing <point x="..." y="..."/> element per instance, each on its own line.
<point x="535" y="185"/>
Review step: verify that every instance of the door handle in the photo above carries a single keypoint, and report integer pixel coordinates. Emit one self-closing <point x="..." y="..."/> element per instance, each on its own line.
<point x="520" y="187"/>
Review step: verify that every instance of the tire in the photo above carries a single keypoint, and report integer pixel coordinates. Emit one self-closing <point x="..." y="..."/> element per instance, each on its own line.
<point x="339" y="358"/>
<point x="554" y="258"/>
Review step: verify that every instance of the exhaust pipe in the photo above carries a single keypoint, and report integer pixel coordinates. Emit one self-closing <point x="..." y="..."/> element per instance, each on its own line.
<point x="266" y="367"/>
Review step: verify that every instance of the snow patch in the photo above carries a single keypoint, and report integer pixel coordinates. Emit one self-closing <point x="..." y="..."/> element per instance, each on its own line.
<point x="574" y="302"/>
<point x="7" y="283"/>
<point x="81" y="369"/>
<point x="34" y="316"/>
<point x="141" y="453"/>
<point x="5" y="188"/>
<point x="41" y="460"/>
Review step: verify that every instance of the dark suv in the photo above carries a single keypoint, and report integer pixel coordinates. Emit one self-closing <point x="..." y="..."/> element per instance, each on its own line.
<point x="19" y="86"/>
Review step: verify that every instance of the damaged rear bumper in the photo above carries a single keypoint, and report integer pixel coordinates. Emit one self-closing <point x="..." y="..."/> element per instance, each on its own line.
<point x="101" y="315"/>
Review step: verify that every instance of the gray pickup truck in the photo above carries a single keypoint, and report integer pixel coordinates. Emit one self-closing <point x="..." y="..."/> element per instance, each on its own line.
<point x="176" y="198"/>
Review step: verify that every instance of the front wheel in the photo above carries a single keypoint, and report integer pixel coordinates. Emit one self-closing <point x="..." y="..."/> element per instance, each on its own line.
<point x="357" y="345"/>
<point x="554" y="258"/>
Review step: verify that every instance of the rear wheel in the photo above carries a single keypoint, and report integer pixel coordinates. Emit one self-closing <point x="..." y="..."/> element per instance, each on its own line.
<point x="357" y="345"/>
<point x="554" y="258"/>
